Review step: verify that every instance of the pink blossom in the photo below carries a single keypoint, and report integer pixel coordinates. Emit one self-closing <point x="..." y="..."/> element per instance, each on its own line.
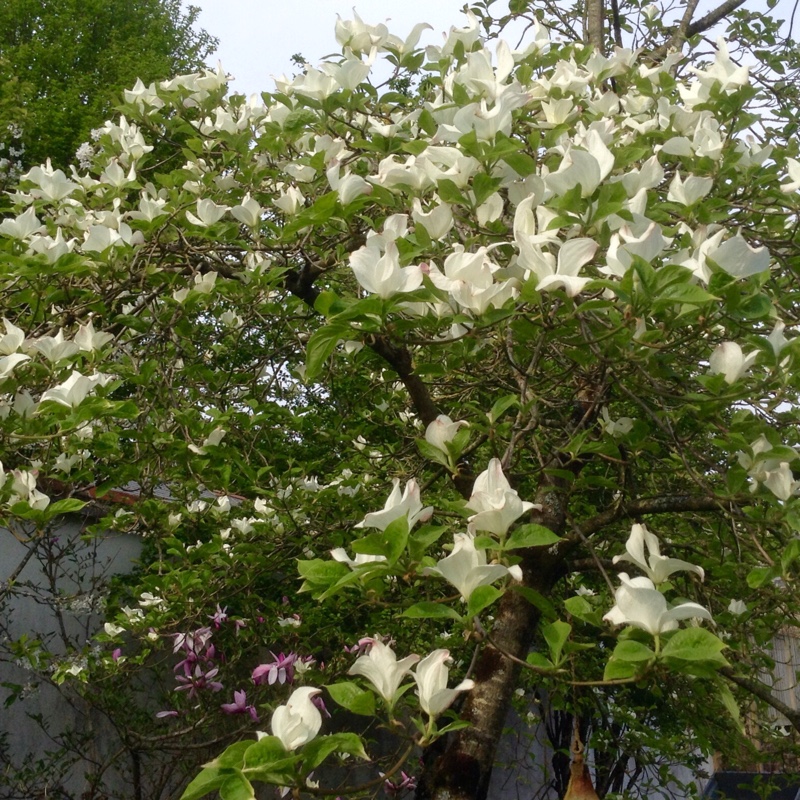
<point x="240" y="706"/>
<point x="279" y="671"/>
<point x="219" y="617"/>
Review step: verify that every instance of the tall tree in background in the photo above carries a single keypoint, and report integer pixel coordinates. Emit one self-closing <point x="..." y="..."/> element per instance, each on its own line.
<point x="65" y="63"/>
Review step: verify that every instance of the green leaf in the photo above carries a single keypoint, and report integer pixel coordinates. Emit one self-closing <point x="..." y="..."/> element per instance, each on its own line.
<point x="321" y="344"/>
<point x="790" y="554"/>
<point x="423" y="538"/>
<point x="536" y="599"/>
<point x="685" y="293"/>
<point x="556" y="635"/>
<point x="317" y="750"/>
<point x="389" y="543"/>
<point x="482" y="597"/>
<point x="266" y="751"/>
<point x="521" y="163"/>
<point x="449" y="192"/>
<point x="531" y="536"/>
<point x="695" y="644"/>
<point x="457" y="725"/>
<point x="757" y="577"/>
<point x="432" y="453"/>
<point x="67" y="506"/>
<point x="731" y="706"/>
<point x="209" y="780"/>
<point x="620" y="670"/>
<point x="631" y="650"/>
<point x="269" y="761"/>
<point x="415" y="146"/>
<point x="297" y="120"/>
<point x="352" y="697"/>
<point x="329" y="304"/>
<point x="427" y="122"/>
<point x="583" y="610"/>
<point x="360" y="574"/>
<point x="501" y="406"/>
<point x="232" y="756"/>
<point x="322" y="210"/>
<point x="757" y="307"/>
<point x="429" y="610"/>
<point x="236" y="787"/>
<point x="484" y="186"/>
<point x="320" y="573"/>
<point x="539" y="661"/>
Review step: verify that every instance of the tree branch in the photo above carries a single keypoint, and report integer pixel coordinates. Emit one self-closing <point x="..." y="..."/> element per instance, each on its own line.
<point x="686" y="28"/>
<point x="762" y="692"/>
<point x="713" y="17"/>
<point x="300" y="283"/>
<point x="665" y="504"/>
<point x="399" y="359"/>
<point x="594" y="24"/>
<point x="682" y="31"/>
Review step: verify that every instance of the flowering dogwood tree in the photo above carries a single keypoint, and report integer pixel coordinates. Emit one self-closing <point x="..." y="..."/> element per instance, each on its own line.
<point x="543" y="302"/>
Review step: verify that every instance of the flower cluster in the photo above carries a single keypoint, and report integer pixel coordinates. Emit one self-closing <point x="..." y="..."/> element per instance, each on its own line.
<point x="381" y="667"/>
<point x="638" y="602"/>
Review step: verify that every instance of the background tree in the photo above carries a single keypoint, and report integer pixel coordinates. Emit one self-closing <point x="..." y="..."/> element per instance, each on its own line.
<point x="587" y="260"/>
<point x="64" y="64"/>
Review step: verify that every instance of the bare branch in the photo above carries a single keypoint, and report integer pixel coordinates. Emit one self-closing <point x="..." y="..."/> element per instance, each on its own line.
<point x="665" y="504"/>
<point x="686" y="29"/>
<point x="713" y="17"/>
<point x="679" y="37"/>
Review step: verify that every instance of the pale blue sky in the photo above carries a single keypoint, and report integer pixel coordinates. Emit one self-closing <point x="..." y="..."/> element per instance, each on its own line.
<point x="259" y="37"/>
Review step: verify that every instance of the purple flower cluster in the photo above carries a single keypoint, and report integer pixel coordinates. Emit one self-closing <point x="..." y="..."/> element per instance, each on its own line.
<point x="198" y="670"/>
<point x="197" y="667"/>
<point x="240" y="706"/>
<point x="281" y="670"/>
<point x="406" y="783"/>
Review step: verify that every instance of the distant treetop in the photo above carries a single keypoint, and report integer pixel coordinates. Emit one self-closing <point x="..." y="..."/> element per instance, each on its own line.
<point x="65" y="63"/>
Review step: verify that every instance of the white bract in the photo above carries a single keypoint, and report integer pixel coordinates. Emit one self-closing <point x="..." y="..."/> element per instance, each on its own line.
<point x="340" y="554"/>
<point x="431" y="676"/>
<point x="657" y="567"/>
<point x="774" y="471"/>
<point x="298" y="721"/>
<point x="729" y="360"/>
<point x="382" y="274"/>
<point x="442" y="431"/>
<point x="469" y="279"/>
<point x="737" y="607"/>
<point x="400" y="504"/>
<point x="208" y="212"/>
<point x="497" y="505"/>
<point x="381" y="667"/>
<point x="75" y="389"/>
<point x="640" y="604"/>
<point x="466" y="568"/>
